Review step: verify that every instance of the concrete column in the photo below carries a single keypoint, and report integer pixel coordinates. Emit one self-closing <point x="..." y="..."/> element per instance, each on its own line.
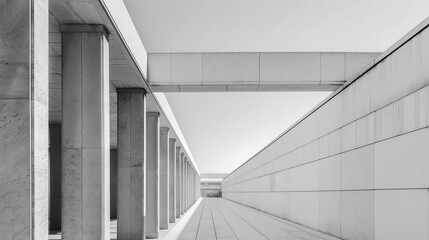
<point x="189" y="184"/>
<point x="55" y="177"/>
<point x="113" y="184"/>
<point x="131" y="163"/>
<point x="85" y="132"/>
<point x="193" y="186"/>
<point x="172" y="181"/>
<point x="24" y="170"/>
<point x="186" y="183"/>
<point x="182" y="183"/>
<point x="163" y="178"/>
<point x="178" y="179"/>
<point x="152" y="173"/>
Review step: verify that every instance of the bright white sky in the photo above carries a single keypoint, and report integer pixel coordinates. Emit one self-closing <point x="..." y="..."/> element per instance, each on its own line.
<point x="224" y="129"/>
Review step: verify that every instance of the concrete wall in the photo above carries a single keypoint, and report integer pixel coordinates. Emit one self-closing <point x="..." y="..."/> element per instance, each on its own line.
<point x="358" y="166"/>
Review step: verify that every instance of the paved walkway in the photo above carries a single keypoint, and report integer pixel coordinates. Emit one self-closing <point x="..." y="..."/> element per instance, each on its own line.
<point x="220" y="219"/>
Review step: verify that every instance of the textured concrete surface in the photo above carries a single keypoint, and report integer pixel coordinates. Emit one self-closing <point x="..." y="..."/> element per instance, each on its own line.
<point x="356" y="166"/>
<point x="172" y="181"/>
<point x="182" y="183"/>
<point x="217" y="218"/>
<point x="163" y="178"/>
<point x="85" y="133"/>
<point x="178" y="182"/>
<point x="24" y="131"/>
<point x="152" y="175"/>
<point x="131" y="162"/>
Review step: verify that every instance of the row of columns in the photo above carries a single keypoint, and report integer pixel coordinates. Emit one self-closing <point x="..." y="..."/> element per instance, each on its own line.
<point x="166" y="165"/>
<point x="74" y="167"/>
<point x="146" y="183"/>
<point x="143" y="155"/>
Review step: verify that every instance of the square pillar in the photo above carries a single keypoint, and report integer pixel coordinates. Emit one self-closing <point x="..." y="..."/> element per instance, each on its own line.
<point x="152" y="175"/>
<point x="172" y="181"/>
<point x="186" y="183"/>
<point x="195" y="186"/>
<point x="85" y="133"/>
<point x="192" y="186"/>
<point x="55" y="170"/>
<point x="163" y="178"/>
<point x="24" y="123"/>
<point x="131" y="163"/>
<point x="178" y="179"/>
<point x="182" y="183"/>
<point x="189" y="185"/>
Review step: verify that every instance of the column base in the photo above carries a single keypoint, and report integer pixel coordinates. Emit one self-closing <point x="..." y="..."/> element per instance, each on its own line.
<point x="163" y="226"/>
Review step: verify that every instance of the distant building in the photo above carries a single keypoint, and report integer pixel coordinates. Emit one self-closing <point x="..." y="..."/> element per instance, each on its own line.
<point x="211" y="184"/>
<point x="211" y="189"/>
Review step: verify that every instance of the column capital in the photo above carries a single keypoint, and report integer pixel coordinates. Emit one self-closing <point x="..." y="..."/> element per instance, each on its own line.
<point x="165" y="129"/>
<point x="131" y="90"/>
<point x="84" y="28"/>
<point x="172" y="140"/>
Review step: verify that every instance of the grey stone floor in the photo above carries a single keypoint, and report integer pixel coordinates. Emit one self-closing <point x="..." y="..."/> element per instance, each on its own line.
<point x="217" y="218"/>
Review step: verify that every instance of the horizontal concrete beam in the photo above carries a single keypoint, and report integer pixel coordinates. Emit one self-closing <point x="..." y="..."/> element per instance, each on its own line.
<point x="252" y="72"/>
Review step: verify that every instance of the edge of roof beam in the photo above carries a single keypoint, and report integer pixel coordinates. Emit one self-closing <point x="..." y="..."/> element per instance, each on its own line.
<point x="253" y="71"/>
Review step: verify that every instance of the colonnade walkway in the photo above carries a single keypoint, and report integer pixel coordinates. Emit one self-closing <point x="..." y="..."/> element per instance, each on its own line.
<point x="221" y="219"/>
